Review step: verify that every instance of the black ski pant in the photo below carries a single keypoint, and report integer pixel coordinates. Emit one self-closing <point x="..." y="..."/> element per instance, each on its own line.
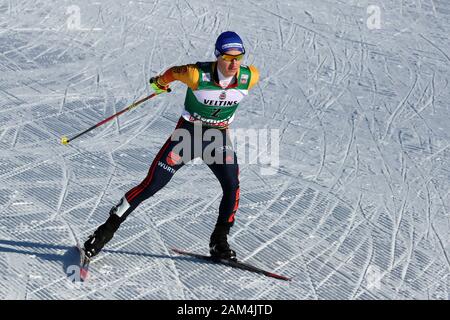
<point x="213" y="146"/>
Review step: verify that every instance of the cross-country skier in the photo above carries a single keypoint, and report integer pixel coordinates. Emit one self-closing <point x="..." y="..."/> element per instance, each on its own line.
<point x="213" y="95"/>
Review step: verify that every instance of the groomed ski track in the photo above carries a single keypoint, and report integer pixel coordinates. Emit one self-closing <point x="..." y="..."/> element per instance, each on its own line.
<point x="359" y="207"/>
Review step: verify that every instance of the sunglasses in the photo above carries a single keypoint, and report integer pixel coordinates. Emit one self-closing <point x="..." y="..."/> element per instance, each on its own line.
<point x="229" y="57"/>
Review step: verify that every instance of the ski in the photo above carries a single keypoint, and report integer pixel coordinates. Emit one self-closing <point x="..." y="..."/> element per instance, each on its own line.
<point x="232" y="263"/>
<point x="83" y="264"/>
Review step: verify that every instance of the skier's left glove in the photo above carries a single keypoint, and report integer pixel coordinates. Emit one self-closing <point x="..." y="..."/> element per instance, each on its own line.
<point x="157" y="87"/>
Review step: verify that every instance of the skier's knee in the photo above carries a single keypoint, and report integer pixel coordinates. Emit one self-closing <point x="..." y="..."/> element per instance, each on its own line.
<point x="121" y="210"/>
<point x="230" y="184"/>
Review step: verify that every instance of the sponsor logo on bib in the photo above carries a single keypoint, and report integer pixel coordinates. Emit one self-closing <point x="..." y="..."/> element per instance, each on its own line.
<point x="244" y="78"/>
<point x="173" y="159"/>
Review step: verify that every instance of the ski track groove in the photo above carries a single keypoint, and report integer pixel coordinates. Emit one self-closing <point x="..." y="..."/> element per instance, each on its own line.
<point x="398" y="110"/>
<point x="101" y="195"/>
<point x="441" y="246"/>
<point x="397" y="227"/>
<point x="364" y="272"/>
<point x="386" y="172"/>
<point x="408" y="260"/>
<point x="346" y="155"/>
<point x="348" y="228"/>
<point x="272" y="240"/>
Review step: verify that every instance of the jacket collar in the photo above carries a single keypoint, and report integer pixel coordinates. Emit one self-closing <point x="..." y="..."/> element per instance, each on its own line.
<point x="234" y="84"/>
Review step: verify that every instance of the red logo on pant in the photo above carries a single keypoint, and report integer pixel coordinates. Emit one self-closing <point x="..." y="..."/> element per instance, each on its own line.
<point x="173" y="159"/>
<point x="229" y="159"/>
<point x="236" y="205"/>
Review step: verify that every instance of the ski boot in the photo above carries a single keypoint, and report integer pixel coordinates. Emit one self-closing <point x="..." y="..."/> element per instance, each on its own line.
<point x="102" y="235"/>
<point x="218" y="245"/>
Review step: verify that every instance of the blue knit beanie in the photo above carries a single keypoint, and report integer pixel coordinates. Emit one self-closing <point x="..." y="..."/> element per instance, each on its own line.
<point x="227" y="41"/>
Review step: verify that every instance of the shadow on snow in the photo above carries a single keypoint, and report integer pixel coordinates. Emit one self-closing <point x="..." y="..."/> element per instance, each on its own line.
<point x="70" y="255"/>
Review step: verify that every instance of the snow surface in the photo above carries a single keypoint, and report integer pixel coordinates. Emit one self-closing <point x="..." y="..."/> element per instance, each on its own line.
<point x="359" y="208"/>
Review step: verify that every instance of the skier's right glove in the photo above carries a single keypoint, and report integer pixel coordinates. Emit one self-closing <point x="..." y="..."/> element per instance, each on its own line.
<point x="157" y="87"/>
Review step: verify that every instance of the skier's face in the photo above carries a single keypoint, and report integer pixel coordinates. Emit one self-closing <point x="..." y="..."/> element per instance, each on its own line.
<point x="229" y="67"/>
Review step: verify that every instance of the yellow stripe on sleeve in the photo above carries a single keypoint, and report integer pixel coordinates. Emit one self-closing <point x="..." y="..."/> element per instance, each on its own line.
<point x="255" y="76"/>
<point x="188" y="74"/>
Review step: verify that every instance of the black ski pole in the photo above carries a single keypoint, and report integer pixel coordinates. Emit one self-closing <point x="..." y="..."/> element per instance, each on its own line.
<point x="65" y="140"/>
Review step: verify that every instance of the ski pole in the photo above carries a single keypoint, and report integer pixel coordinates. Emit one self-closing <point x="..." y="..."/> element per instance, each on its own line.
<point x="65" y="140"/>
